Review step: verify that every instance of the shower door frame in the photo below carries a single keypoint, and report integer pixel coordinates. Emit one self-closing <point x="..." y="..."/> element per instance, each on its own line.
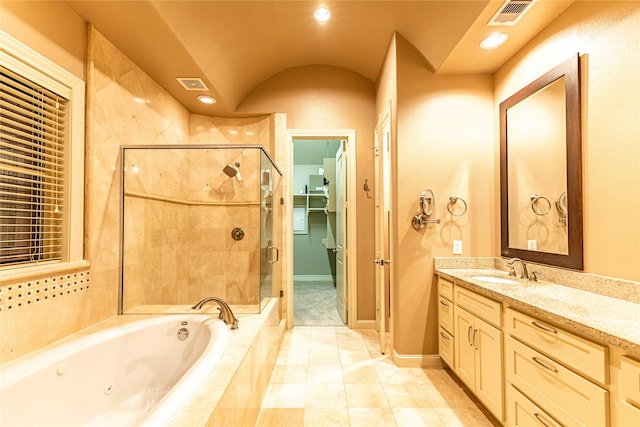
<point x="351" y="267"/>
<point x="121" y="208"/>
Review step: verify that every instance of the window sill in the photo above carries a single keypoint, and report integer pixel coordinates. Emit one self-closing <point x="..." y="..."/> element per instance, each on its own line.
<point x="17" y="274"/>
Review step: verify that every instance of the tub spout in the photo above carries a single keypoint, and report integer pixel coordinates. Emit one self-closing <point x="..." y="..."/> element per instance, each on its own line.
<point x="225" y="311"/>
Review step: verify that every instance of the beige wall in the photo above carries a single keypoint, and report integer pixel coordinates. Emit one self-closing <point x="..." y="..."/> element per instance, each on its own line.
<point x="323" y="97"/>
<point x="40" y="308"/>
<point x="443" y="143"/>
<point x="38" y="25"/>
<point x="607" y="34"/>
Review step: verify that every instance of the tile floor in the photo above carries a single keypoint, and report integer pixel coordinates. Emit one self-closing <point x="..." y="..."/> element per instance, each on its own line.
<point x="335" y="376"/>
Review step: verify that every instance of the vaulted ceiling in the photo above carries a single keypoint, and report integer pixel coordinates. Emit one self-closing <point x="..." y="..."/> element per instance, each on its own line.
<point x="233" y="46"/>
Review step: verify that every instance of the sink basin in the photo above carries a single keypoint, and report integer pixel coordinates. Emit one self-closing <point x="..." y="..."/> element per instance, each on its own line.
<point x="494" y="279"/>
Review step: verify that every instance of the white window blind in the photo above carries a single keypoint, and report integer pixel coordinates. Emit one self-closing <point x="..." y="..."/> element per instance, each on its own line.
<point x="32" y="166"/>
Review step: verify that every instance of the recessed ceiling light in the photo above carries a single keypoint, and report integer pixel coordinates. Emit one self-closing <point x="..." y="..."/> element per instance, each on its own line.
<point x="322" y="14"/>
<point x="206" y="99"/>
<point x="493" y="41"/>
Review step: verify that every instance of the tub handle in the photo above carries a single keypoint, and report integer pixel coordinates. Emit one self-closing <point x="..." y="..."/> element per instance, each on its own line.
<point x="271" y="259"/>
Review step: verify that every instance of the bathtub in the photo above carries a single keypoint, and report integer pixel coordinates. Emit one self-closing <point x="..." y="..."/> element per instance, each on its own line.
<point x="140" y="373"/>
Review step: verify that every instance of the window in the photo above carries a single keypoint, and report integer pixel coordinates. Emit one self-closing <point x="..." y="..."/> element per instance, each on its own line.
<point x="41" y="150"/>
<point x="32" y="137"/>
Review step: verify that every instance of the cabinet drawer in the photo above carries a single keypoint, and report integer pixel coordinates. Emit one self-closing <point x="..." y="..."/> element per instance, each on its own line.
<point x="563" y="394"/>
<point x="575" y="352"/>
<point x="446" y="345"/>
<point x="629" y="415"/>
<point x="630" y="374"/>
<point x="483" y="307"/>
<point x="445" y="314"/>
<point x="445" y="288"/>
<point x="525" y="413"/>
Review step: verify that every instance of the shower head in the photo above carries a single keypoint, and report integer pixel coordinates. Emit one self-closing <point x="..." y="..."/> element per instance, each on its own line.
<point x="232" y="170"/>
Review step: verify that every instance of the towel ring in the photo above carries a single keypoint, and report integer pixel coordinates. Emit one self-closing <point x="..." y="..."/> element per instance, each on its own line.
<point x="453" y="201"/>
<point x="535" y="201"/>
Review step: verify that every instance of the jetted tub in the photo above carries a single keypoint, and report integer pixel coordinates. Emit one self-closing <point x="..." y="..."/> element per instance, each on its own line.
<point x="138" y="374"/>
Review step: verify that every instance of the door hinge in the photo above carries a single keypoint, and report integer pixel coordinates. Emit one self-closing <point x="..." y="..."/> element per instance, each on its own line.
<point x="282" y="200"/>
<point x="281" y="293"/>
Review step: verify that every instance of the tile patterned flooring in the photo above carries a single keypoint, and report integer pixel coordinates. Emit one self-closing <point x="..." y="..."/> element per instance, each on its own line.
<point x="336" y="376"/>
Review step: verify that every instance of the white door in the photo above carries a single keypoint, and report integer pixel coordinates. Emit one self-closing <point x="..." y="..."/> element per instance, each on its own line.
<point x="382" y="176"/>
<point x="341" y="231"/>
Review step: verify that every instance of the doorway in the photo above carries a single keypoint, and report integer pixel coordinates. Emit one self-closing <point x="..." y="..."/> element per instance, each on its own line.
<point x="316" y="238"/>
<point x="319" y="293"/>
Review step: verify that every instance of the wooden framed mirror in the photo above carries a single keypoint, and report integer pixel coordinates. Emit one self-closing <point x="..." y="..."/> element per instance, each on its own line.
<point x="541" y="170"/>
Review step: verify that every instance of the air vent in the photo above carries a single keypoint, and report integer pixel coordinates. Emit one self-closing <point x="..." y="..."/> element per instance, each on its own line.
<point x="192" y="83"/>
<point x="510" y="12"/>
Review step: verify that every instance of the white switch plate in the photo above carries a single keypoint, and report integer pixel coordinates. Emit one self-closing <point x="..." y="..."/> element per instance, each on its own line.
<point x="532" y="245"/>
<point x="457" y="247"/>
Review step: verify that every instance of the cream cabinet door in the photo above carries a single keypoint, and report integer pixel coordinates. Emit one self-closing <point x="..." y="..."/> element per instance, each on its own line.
<point x="478" y="359"/>
<point x="465" y="358"/>
<point x="489" y="373"/>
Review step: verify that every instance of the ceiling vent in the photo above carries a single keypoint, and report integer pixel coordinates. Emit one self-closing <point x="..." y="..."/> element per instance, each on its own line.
<point x="192" y="83"/>
<point x="510" y="12"/>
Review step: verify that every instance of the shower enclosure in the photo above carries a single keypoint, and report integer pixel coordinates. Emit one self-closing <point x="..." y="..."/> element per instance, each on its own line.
<point x="198" y="221"/>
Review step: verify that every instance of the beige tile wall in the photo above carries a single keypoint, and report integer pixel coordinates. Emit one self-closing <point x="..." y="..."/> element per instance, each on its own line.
<point x="37" y="310"/>
<point x="115" y="118"/>
<point x="124" y="107"/>
<point x="179" y="213"/>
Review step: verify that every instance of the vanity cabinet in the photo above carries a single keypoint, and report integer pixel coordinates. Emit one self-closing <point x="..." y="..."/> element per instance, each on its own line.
<point x="478" y="347"/>
<point x="629" y="405"/>
<point x="574" y="364"/>
<point x="446" y="340"/>
<point x="555" y="374"/>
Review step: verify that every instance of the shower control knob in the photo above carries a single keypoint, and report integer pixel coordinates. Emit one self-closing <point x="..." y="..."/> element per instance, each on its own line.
<point x="237" y="233"/>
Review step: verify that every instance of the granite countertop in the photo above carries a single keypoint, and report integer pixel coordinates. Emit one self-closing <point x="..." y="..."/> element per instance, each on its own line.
<point x="602" y="318"/>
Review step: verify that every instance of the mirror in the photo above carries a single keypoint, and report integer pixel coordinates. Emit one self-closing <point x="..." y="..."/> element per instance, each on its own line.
<point x="541" y="170"/>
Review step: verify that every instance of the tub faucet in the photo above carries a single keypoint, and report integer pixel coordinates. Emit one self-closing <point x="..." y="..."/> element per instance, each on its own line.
<point x="225" y="311"/>
<point x="512" y="264"/>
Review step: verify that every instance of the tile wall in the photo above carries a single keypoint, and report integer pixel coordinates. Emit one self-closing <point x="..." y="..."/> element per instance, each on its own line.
<point x="180" y="209"/>
<point x="125" y="106"/>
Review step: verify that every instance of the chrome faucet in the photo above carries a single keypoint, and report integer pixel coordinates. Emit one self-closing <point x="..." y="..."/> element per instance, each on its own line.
<point x="512" y="271"/>
<point x="225" y="311"/>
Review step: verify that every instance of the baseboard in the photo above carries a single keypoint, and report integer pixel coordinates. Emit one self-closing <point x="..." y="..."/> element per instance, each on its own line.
<point x="312" y="278"/>
<point x="364" y="324"/>
<point x="416" y="360"/>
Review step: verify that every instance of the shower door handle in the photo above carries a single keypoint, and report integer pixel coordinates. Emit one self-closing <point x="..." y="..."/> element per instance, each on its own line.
<point x="271" y="250"/>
